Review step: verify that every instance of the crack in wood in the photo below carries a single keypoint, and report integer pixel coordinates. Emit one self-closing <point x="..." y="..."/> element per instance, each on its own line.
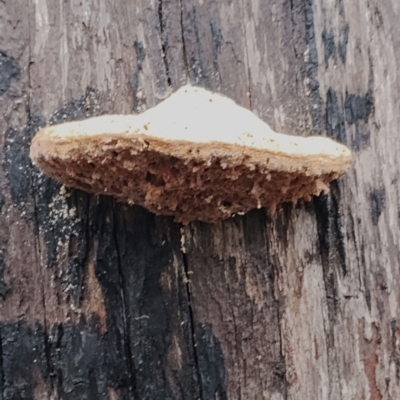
<point x="164" y="44"/>
<point x="125" y="316"/>
<point x="192" y="324"/>
<point x="185" y="60"/>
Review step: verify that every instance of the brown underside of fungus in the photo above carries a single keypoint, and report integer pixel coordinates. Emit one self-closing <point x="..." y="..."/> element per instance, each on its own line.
<point x="196" y="155"/>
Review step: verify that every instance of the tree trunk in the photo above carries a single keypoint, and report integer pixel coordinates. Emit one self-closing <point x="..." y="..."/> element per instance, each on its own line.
<point x="99" y="300"/>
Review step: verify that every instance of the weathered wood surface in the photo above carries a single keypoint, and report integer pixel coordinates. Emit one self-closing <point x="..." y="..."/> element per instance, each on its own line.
<point x="102" y="301"/>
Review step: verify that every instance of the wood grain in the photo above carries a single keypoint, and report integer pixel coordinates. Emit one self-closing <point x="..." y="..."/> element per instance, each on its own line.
<point x="99" y="300"/>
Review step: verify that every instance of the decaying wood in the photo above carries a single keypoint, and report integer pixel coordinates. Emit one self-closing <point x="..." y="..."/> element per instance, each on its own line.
<point x="100" y="300"/>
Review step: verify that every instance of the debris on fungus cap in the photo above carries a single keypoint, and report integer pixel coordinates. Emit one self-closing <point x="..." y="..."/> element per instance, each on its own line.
<point x="197" y="156"/>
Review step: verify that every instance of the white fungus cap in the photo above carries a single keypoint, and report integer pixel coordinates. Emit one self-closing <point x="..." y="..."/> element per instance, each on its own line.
<point x="197" y="155"/>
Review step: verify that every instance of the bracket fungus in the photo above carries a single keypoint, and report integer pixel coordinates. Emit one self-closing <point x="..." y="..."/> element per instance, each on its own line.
<point x="197" y="156"/>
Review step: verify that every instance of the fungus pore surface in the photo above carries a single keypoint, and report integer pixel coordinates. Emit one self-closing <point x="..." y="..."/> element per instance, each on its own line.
<point x="197" y="156"/>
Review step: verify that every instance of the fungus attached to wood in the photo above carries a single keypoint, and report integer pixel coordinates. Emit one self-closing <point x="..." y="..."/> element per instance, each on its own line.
<point x="196" y="155"/>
